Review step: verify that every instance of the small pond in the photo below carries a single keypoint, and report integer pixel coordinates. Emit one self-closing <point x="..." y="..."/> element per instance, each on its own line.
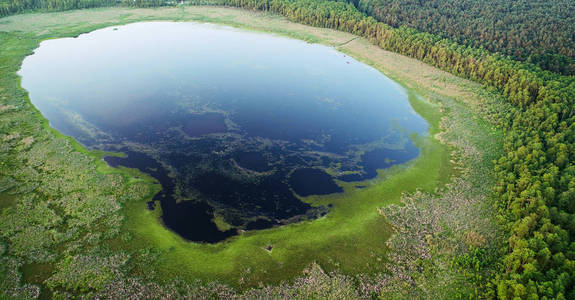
<point x="237" y="126"/>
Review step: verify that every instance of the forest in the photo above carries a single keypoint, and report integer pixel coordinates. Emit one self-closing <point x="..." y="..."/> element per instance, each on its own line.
<point x="540" y="32"/>
<point x="535" y="189"/>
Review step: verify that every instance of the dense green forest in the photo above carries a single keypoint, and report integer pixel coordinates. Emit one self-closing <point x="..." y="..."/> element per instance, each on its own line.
<point x="538" y="31"/>
<point x="536" y="176"/>
<point x="8" y="7"/>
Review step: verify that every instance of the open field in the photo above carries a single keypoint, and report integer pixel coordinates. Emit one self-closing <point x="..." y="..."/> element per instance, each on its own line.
<point x="453" y="170"/>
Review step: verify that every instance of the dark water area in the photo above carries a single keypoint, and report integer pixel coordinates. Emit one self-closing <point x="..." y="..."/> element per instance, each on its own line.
<point x="255" y="161"/>
<point x="191" y="220"/>
<point x="306" y="182"/>
<point x="200" y="124"/>
<point x="232" y="124"/>
<point x="378" y="159"/>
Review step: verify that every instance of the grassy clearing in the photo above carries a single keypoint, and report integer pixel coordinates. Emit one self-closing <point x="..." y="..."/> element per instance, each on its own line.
<point x="353" y="238"/>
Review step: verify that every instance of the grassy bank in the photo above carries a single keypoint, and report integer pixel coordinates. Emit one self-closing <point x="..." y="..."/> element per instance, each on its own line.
<point x="352" y="239"/>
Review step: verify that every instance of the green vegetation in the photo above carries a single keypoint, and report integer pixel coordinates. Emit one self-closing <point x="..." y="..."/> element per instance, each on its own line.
<point x="8" y="7"/>
<point x="534" y="187"/>
<point x="537" y="31"/>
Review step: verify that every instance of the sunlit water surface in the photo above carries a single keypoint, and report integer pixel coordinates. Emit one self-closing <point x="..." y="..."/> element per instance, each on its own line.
<point x="233" y="124"/>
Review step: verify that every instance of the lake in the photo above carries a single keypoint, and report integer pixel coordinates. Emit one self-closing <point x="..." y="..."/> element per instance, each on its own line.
<point x="238" y="126"/>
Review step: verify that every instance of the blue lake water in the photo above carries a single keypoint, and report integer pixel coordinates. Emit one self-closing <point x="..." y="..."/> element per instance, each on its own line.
<point x="232" y="123"/>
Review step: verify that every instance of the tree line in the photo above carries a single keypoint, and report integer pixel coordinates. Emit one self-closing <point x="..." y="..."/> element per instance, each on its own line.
<point x="536" y="176"/>
<point x="9" y="7"/>
<point x="537" y="31"/>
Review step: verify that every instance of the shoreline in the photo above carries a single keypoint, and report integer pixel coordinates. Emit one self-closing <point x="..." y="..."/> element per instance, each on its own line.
<point x="248" y="251"/>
